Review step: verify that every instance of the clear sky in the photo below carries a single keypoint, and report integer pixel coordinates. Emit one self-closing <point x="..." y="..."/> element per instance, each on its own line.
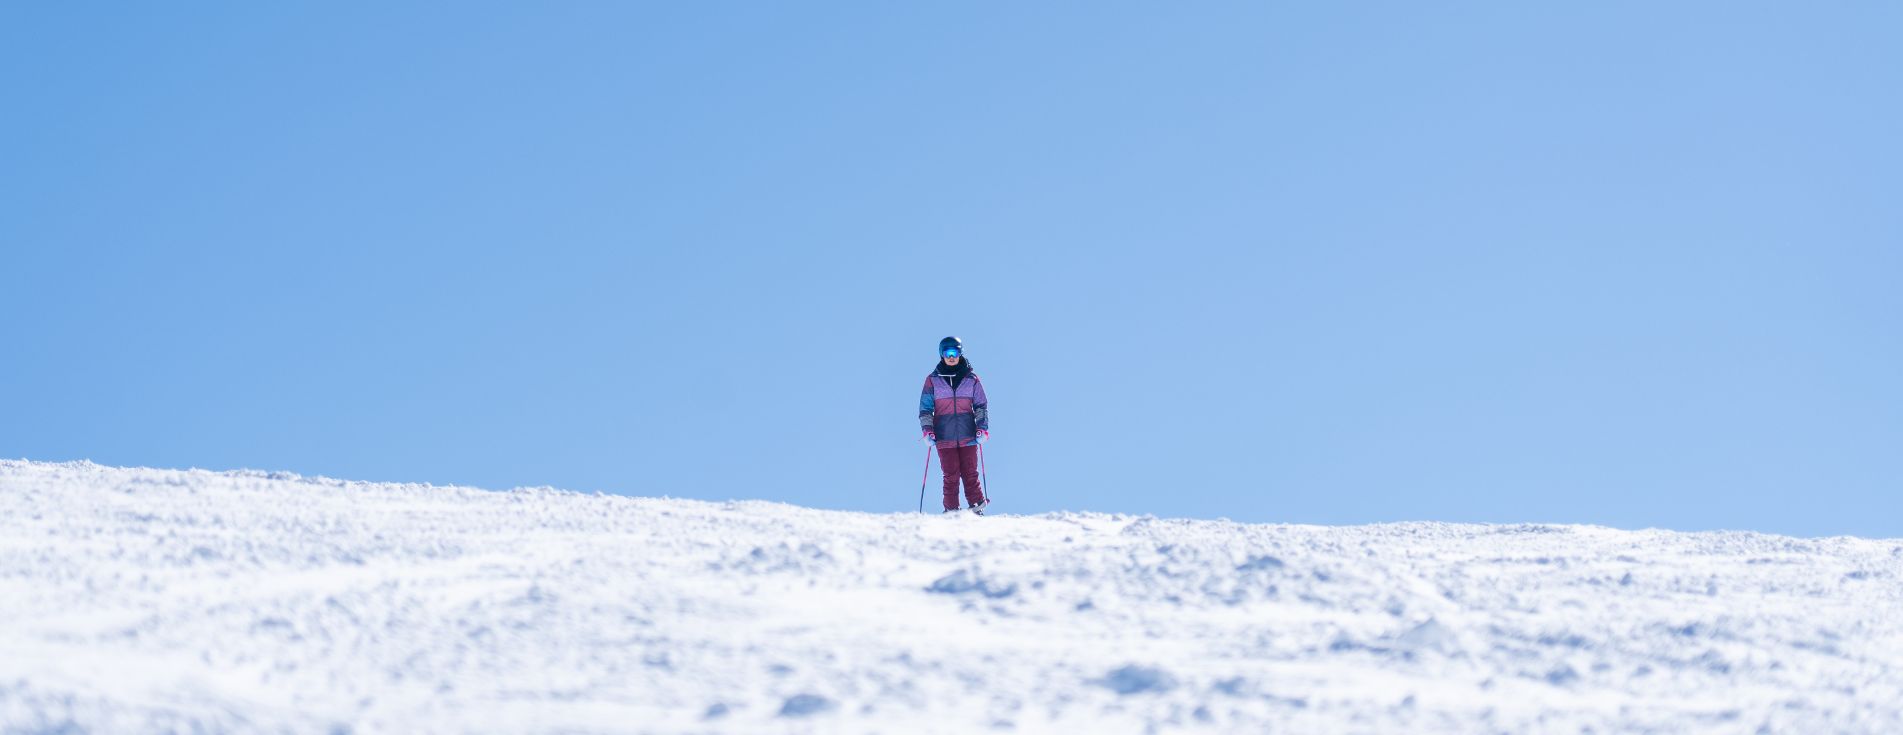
<point x="1627" y="263"/>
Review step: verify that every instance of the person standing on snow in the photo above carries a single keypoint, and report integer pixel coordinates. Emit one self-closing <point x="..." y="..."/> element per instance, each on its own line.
<point x="951" y="411"/>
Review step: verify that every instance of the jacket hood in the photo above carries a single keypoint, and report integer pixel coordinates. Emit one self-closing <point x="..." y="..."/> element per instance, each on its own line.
<point x="963" y="369"/>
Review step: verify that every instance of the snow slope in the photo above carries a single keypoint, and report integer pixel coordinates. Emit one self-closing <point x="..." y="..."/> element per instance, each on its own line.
<point x="138" y="600"/>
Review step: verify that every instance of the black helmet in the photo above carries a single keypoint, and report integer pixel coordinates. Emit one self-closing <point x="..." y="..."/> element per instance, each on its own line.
<point x="948" y="344"/>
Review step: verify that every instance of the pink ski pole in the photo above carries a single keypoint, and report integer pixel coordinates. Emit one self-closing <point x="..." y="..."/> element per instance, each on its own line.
<point x="923" y="479"/>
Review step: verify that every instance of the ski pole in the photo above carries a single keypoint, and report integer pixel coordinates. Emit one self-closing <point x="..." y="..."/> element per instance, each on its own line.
<point x="984" y="482"/>
<point x="925" y="477"/>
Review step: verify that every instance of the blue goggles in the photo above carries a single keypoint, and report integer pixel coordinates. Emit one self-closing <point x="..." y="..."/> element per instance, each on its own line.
<point x="953" y="352"/>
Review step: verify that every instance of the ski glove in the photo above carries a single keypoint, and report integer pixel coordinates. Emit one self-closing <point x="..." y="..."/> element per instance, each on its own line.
<point x="983" y="436"/>
<point x="931" y="437"/>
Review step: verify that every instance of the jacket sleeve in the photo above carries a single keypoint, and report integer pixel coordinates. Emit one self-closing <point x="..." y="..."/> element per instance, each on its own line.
<point x="979" y="406"/>
<point x="926" y="407"/>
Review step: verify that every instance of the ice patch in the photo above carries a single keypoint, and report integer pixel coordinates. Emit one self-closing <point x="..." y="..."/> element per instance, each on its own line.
<point x="802" y="705"/>
<point x="1134" y="679"/>
<point x="965" y="581"/>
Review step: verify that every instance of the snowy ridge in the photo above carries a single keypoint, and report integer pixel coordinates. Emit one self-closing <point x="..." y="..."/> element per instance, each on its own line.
<point x="139" y="600"/>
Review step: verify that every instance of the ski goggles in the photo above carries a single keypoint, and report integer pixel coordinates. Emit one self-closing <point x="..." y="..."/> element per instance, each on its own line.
<point x="951" y="352"/>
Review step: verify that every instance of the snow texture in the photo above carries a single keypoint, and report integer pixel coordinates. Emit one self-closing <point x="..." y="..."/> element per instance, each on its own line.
<point x="138" y="600"/>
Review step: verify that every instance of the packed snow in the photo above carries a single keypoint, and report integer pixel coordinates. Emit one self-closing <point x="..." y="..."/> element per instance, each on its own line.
<point x="142" y="600"/>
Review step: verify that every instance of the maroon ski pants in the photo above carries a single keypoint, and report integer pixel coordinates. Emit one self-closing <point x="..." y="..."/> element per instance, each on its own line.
<point x="960" y="462"/>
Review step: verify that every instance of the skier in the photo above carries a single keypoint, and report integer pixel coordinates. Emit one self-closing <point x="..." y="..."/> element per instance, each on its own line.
<point x="951" y="411"/>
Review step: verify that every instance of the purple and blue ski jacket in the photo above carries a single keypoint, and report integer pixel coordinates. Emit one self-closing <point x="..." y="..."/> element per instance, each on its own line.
<point x="954" y="414"/>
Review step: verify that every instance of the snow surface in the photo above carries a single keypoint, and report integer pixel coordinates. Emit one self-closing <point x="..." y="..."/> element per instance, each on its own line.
<point x="139" y="600"/>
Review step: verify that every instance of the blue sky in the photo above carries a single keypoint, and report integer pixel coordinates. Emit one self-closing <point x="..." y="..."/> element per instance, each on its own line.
<point x="1624" y="263"/>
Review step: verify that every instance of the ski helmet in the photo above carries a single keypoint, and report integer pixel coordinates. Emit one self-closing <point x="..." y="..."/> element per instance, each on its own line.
<point x="950" y="347"/>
